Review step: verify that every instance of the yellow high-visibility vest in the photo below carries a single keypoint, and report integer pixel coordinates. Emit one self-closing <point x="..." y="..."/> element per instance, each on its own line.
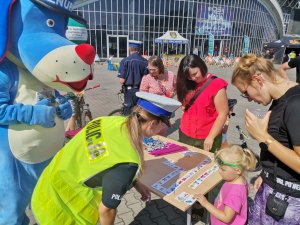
<point x="60" y="196"/>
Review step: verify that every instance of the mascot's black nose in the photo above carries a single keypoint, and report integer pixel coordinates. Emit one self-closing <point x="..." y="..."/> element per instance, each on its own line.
<point x="86" y="52"/>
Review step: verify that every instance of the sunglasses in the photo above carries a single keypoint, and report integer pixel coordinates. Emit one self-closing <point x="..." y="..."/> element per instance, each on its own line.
<point x="245" y="93"/>
<point x="220" y="162"/>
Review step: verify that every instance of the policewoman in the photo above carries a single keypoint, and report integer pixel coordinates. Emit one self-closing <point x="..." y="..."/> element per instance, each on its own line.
<point x="86" y="180"/>
<point x="131" y="71"/>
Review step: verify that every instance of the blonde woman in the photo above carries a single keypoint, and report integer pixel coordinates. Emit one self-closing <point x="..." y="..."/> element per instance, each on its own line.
<point x="277" y="200"/>
<point x="85" y="181"/>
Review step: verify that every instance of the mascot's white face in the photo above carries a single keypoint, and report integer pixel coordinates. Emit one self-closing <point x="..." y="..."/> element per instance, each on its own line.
<point x="60" y="69"/>
<point x="38" y="41"/>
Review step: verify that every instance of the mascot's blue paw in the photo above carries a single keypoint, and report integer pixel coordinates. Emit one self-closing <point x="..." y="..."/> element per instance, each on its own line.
<point x="43" y="115"/>
<point x="64" y="111"/>
<point x="44" y="101"/>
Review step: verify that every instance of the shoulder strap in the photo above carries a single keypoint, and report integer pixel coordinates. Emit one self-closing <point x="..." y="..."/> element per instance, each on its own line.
<point x="198" y="93"/>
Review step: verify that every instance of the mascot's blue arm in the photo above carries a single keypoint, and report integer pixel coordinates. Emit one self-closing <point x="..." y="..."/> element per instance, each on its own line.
<point x="10" y="113"/>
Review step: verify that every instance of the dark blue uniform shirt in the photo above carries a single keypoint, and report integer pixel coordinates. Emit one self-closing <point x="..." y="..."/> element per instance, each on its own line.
<point x="132" y="69"/>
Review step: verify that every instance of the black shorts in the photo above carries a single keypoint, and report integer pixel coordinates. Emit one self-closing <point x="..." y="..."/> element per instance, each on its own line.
<point x="115" y="182"/>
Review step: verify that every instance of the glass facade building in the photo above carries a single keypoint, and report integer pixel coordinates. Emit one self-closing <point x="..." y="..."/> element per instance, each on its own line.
<point x="111" y="23"/>
<point x="286" y="20"/>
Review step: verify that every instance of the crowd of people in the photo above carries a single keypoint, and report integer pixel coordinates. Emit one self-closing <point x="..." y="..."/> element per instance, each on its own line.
<point x="85" y="181"/>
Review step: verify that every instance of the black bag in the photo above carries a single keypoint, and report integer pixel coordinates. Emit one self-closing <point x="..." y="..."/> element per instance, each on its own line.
<point x="276" y="207"/>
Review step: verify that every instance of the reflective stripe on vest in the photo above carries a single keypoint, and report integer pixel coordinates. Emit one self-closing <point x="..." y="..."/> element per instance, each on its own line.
<point x="61" y="196"/>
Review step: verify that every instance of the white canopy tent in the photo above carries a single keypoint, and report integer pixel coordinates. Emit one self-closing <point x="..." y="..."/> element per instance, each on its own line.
<point x="171" y="37"/>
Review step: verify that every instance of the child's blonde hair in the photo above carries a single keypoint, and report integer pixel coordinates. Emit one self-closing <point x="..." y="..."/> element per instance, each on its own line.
<point x="243" y="157"/>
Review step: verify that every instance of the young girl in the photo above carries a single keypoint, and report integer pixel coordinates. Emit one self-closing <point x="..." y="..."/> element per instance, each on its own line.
<point x="230" y="206"/>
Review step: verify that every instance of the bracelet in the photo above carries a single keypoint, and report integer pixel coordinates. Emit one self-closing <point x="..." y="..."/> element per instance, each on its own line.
<point x="269" y="141"/>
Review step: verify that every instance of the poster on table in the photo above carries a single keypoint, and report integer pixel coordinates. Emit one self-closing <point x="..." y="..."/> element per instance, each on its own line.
<point x="175" y="171"/>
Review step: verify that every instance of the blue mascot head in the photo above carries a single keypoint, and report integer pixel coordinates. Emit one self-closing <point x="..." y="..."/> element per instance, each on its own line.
<point x="33" y="36"/>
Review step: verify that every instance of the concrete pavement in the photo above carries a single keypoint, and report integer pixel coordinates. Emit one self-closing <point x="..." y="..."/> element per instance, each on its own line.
<point x="132" y="210"/>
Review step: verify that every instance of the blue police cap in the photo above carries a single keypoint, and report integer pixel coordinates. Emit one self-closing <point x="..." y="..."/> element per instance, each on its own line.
<point x="133" y="43"/>
<point x="61" y="6"/>
<point x="158" y="105"/>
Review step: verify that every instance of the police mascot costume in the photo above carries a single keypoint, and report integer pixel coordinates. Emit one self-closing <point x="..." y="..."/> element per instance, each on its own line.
<point x="36" y="59"/>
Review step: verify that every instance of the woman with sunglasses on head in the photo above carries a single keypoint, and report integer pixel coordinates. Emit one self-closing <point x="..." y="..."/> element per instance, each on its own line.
<point x="203" y="118"/>
<point x="230" y="207"/>
<point x="277" y="200"/>
<point x="85" y="181"/>
<point x="202" y="121"/>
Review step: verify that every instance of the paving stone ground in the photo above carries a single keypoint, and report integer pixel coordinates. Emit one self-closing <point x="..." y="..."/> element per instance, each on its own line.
<point x="132" y="210"/>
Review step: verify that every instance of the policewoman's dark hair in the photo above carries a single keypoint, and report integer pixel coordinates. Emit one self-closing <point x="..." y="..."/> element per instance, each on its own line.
<point x="183" y="84"/>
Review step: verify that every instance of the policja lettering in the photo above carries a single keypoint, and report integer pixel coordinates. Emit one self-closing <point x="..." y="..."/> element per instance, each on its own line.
<point x="92" y="135"/>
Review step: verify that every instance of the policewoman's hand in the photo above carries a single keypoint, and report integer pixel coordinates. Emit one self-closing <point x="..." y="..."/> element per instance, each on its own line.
<point x="143" y="190"/>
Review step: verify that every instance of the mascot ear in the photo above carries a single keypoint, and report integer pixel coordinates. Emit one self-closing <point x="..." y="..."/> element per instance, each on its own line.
<point x="6" y="6"/>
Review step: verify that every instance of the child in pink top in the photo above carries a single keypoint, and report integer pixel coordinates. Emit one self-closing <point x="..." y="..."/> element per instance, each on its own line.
<point x="230" y="206"/>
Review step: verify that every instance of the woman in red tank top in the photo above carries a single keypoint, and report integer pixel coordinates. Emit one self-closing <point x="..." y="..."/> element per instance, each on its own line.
<point x="201" y="124"/>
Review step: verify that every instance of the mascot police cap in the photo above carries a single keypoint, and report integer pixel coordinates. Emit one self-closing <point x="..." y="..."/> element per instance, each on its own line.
<point x="158" y="105"/>
<point x="60" y="6"/>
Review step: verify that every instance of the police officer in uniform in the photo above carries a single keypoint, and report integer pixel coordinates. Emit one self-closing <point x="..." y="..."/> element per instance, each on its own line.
<point x="85" y="181"/>
<point x="131" y="71"/>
